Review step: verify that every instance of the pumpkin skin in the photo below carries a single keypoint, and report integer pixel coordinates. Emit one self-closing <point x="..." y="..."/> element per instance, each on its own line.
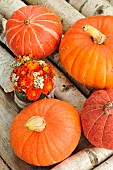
<point x="33" y="30"/>
<point x="97" y="119"/>
<point x="86" y="61"/>
<point x="56" y="142"/>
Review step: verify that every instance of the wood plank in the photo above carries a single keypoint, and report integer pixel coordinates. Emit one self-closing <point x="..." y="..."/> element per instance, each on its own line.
<point x="3" y="166"/>
<point x="101" y="7"/>
<point x="108" y="165"/>
<point x="7" y="7"/>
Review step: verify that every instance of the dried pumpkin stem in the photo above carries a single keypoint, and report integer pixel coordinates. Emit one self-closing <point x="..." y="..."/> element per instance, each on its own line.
<point x="97" y="36"/>
<point x="36" y="123"/>
<point x="107" y="106"/>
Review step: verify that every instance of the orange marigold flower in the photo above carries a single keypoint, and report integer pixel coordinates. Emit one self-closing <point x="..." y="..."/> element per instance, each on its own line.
<point x="23" y="72"/>
<point x="41" y="72"/>
<point x="30" y="75"/>
<point x="46" y="69"/>
<point x="31" y="55"/>
<point x="33" y="77"/>
<point x="20" y="71"/>
<point x="33" y="93"/>
<point x="48" y="86"/>
<point x="31" y="65"/>
<point x="24" y="82"/>
<point x="19" y="58"/>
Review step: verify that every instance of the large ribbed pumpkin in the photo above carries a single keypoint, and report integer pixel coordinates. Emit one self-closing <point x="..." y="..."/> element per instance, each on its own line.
<point x="86" y="51"/>
<point x="33" y="30"/>
<point x="97" y="119"/>
<point x="45" y="132"/>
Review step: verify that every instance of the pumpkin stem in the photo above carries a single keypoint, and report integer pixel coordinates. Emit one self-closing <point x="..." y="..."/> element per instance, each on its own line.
<point x="36" y="123"/>
<point x="107" y="106"/>
<point x="26" y="21"/>
<point x="97" y="36"/>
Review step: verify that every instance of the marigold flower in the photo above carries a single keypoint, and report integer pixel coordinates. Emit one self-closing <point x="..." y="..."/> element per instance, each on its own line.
<point x="32" y="65"/>
<point x="24" y="82"/>
<point x="48" y="86"/>
<point x="32" y="77"/>
<point x="33" y="94"/>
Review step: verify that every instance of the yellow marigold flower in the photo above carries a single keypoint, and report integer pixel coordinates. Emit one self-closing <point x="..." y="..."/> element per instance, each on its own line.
<point x="23" y="72"/>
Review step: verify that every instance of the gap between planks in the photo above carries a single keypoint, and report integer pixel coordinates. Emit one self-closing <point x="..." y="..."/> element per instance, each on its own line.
<point x="3" y="165"/>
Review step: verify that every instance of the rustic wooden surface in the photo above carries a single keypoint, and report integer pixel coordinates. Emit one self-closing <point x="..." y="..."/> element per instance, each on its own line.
<point x="66" y="88"/>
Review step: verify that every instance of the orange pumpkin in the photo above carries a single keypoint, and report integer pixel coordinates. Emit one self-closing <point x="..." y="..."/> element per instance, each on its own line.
<point x="97" y="119"/>
<point x="86" y="51"/>
<point x="45" y="132"/>
<point x="33" y="30"/>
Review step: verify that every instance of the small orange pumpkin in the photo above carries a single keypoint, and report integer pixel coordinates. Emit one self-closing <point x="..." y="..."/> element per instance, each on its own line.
<point x="86" y="51"/>
<point x="45" y="132"/>
<point x="33" y="30"/>
<point x="97" y="118"/>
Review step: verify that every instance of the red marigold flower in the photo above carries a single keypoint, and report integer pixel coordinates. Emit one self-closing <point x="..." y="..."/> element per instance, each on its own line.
<point x="20" y="71"/>
<point x="51" y="71"/>
<point x="24" y="82"/>
<point x="33" y="93"/>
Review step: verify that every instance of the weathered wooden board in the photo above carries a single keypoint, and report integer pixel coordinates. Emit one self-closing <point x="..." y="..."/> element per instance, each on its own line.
<point x="108" y="165"/>
<point x="85" y="159"/>
<point x="7" y="7"/>
<point x="3" y="165"/>
<point x="89" y="7"/>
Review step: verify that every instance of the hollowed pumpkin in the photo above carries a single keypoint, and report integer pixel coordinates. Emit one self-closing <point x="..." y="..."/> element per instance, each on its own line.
<point x="45" y="132"/>
<point x="86" y="51"/>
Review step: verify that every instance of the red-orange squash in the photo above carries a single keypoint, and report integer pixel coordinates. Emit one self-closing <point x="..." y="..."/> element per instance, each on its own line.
<point x="97" y="118"/>
<point x="45" y="132"/>
<point x="33" y="30"/>
<point x="86" y="51"/>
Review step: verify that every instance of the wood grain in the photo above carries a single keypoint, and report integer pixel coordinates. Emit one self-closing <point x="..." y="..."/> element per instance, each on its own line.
<point x="89" y="7"/>
<point x="3" y="166"/>
<point x="7" y="7"/>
